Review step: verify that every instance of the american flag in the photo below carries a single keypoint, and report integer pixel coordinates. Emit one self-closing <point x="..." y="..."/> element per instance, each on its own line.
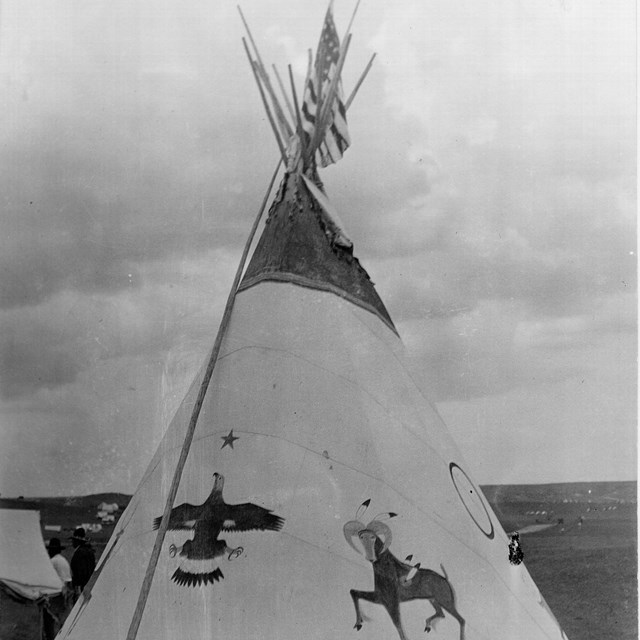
<point x="335" y="138"/>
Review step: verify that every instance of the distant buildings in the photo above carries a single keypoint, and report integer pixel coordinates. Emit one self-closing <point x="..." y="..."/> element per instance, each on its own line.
<point x="109" y="508"/>
<point x="106" y="512"/>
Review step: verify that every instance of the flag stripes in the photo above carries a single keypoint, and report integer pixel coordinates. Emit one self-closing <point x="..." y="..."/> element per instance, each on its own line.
<point x="330" y="143"/>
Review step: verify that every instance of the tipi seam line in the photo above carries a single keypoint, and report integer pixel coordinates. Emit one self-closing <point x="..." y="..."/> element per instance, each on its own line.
<point x="348" y="380"/>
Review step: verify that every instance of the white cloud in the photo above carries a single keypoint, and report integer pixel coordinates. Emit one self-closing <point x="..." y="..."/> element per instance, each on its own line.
<point x="490" y="192"/>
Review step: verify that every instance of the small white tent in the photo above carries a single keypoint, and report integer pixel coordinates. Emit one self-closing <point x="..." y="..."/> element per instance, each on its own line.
<point x="25" y="567"/>
<point x="107" y="507"/>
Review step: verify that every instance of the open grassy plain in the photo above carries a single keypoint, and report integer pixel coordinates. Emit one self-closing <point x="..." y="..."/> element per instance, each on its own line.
<point x="585" y="564"/>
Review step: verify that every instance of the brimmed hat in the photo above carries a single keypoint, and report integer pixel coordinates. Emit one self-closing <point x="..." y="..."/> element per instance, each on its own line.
<point x="79" y="534"/>
<point x="54" y="545"/>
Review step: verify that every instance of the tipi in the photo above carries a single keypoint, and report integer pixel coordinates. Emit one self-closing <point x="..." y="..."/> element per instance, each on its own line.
<point x="25" y="568"/>
<point x="305" y="484"/>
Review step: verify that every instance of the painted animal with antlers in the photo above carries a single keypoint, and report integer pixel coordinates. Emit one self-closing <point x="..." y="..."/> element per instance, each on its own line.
<point x="395" y="581"/>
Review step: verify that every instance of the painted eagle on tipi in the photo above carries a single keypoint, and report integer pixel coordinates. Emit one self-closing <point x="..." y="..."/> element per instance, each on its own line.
<point x="198" y="564"/>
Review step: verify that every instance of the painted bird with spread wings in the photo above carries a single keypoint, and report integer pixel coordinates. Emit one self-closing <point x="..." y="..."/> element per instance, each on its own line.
<point x="198" y="564"/>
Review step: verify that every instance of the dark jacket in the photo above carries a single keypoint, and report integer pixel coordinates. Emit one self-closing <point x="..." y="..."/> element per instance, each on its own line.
<point x="83" y="563"/>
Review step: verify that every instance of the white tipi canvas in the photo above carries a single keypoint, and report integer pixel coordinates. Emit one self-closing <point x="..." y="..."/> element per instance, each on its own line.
<point x="321" y="490"/>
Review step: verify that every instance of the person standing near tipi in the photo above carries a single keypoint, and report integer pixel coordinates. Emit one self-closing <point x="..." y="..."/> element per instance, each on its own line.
<point x="61" y="565"/>
<point x="54" y="609"/>
<point x="83" y="561"/>
<point x="59" y="562"/>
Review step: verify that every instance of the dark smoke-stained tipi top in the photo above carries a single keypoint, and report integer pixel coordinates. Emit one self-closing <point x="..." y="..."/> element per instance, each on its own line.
<point x="305" y="485"/>
<point x="296" y="247"/>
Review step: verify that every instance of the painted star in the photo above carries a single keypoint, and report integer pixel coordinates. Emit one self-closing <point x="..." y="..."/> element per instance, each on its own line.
<point x="229" y="439"/>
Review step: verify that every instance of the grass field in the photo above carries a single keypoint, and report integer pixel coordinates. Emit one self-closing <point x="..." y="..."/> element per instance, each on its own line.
<point x="587" y="572"/>
<point x="589" y="576"/>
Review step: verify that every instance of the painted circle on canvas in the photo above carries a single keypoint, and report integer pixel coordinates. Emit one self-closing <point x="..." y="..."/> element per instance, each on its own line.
<point x="472" y="500"/>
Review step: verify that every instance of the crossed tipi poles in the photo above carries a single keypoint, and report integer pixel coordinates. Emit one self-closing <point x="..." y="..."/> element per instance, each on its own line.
<point x="297" y="153"/>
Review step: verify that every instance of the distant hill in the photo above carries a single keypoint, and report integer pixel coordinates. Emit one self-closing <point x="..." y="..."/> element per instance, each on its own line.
<point x="520" y="505"/>
<point x="59" y="516"/>
<point x="561" y="492"/>
<point x="565" y="492"/>
<point x="81" y="502"/>
<point x="516" y="506"/>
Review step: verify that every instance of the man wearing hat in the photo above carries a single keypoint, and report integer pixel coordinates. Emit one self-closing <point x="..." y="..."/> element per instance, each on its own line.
<point x="83" y="561"/>
<point x="59" y="562"/>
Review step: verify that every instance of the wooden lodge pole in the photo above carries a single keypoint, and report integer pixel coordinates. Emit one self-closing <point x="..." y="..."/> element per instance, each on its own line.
<point x="347" y="104"/>
<point x="274" y="127"/>
<point x="164" y="523"/>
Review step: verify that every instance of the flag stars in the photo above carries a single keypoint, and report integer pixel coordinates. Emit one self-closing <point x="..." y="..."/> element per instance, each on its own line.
<point x="228" y="439"/>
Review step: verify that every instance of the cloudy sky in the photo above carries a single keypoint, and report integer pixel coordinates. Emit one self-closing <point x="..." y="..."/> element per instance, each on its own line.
<point x="490" y="191"/>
